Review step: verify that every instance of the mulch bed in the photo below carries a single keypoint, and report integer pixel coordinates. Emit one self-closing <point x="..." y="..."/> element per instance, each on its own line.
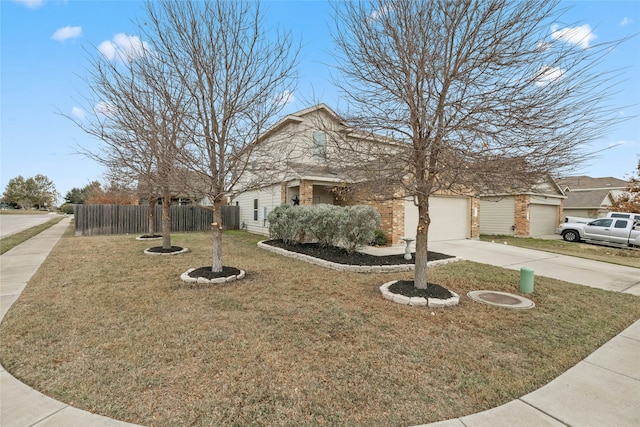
<point x="161" y="250"/>
<point x="341" y="256"/>
<point x="206" y="272"/>
<point x="150" y="236"/>
<point x="406" y="288"/>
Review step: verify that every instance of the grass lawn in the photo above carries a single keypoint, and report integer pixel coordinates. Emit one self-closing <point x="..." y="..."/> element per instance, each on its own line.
<point x="597" y="252"/>
<point x="106" y="328"/>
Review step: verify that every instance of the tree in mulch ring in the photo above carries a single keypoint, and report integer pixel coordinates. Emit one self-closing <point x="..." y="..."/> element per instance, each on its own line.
<point x="159" y="250"/>
<point x="405" y="292"/>
<point x="206" y="275"/>
<point x="407" y="288"/>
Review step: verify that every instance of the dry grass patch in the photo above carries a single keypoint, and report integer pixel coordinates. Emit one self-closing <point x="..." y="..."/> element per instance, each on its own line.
<point x="108" y="329"/>
<point x="594" y="251"/>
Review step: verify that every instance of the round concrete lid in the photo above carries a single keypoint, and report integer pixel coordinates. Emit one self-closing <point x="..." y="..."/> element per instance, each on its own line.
<point x="501" y="299"/>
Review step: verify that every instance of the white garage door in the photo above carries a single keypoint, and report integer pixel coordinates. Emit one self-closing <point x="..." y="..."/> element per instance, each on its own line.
<point x="497" y="215"/>
<point x="450" y="218"/>
<point x="544" y="219"/>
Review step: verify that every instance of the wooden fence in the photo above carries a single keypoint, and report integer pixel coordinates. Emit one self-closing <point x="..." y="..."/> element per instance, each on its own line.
<point x="133" y="219"/>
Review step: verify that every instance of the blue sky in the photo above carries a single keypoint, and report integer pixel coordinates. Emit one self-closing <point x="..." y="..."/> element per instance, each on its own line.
<point x="44" y="46"/>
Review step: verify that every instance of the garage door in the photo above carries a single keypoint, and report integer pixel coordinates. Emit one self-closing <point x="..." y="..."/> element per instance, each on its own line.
<point x="450" y="218"/>
<point x="544" y="219"/>
<point x="497" y="215"/>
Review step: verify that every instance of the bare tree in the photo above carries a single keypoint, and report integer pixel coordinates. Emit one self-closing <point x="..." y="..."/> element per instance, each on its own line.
<point x="237" y="77"/>
<point x="477" y="95"/>
<point x="139" y="115"/>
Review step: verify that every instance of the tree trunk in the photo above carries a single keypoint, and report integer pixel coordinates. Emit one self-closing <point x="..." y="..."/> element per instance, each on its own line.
<point x="166" y="222"/>
<point x="422" y="234"/>
<point x="216" y="227"/>
<point x="152" y="216"/>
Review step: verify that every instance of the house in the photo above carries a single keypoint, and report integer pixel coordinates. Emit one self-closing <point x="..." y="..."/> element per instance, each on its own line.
<point x="531" y="213"/>
<point x="590" y="197"/>
<point x="296" y="156"/>
<point x="185" y="188"/>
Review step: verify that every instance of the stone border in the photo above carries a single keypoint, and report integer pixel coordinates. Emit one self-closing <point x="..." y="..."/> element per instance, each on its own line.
<point x="524" y="303"/>
<point x="183" y="251"/>
<point x="148" y="238"/>
<point x="418" y="301"/>
<point x="353" y="268"/>
<point x="201" y="280"/>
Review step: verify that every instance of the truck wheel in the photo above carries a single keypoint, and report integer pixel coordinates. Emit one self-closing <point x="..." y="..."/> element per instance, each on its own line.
<point x="571" y="236"/>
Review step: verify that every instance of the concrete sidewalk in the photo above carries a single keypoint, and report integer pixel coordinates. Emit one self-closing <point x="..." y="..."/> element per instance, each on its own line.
<point x="604" y="389"/>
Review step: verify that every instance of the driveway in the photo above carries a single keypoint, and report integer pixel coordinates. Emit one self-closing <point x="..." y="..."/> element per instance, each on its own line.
<point x="11" y="224"/>
<point x="570" y="269"/>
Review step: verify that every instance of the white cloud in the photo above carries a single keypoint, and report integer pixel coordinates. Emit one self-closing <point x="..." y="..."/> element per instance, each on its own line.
<point x="78" y="113"/>
<point x="31" y="4"/>
<point x="378" y="13"/>
<point x="66" y="33"/>
<point x="548" y="75"/>
<point x="581" y="36"/>
<point x="542" y="46"/>
<point x="104" y="108"/>
<point x="123" y="47"/>
<point x="626" y="21"/>
<point x="285" y="98"/>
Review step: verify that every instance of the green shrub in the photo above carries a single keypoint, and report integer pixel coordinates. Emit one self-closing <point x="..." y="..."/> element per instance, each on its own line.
<point x="350" y="227"/>
<point x="379" y="239"/>
<point x="67" y="208"/>
<point x="322" y="221"/>
<point x="358" y="226"/>
<point x="287" y="223"/>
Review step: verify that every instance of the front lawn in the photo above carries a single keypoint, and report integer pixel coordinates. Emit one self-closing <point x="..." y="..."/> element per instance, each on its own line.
<point x="106" y="328"/>
<point x="597" y="252"/>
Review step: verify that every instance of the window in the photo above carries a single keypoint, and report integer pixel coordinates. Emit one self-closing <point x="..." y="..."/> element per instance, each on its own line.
<point x="605" y="222"/>
<point x="319" y="145"/>
<point x="255" y="209"/>
<point x="621" y="223"/>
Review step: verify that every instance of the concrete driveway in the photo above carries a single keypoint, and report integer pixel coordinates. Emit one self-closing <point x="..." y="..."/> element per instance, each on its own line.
<point x="11" y="224"/>
<point x="571" y="269"/>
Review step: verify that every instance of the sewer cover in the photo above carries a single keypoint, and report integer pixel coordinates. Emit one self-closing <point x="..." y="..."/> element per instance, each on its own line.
<point x="501" y="299"/>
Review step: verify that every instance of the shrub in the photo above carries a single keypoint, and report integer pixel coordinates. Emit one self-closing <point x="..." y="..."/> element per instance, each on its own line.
<point x="67" y="208"/>
<point x="379" y="239"/>
<point x="322" y="221"/>
<point x="349" y="227"/>
<point x="358" y="226"/>
<point x="287" y="222"/>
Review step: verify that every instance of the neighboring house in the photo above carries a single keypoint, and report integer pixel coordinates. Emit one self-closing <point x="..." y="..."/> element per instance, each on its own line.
<point x="590" y="197"/>
<point x="186" y="188"/>
<point x="536" y="212"/>
<point x="306" y="176"/>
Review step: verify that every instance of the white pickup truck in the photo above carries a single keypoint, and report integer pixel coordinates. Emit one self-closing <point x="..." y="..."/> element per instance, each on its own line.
<point x="625" y="231"/>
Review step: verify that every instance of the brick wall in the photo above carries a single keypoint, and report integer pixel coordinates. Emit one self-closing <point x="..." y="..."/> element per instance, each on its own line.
<point x="523" y="225"/>
<point x="306" y="193"/>
<point x="475" y="218"/>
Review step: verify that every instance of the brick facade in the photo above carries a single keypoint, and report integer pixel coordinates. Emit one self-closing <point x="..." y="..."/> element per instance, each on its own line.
<point x="475" y="218"/>
<point x="522" y="222"/>
<point x="306" y="193"/>
<point x="391" y="218"/>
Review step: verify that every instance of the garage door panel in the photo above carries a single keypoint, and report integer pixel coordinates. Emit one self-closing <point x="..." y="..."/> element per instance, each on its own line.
<point x="497" y="215"/>
<point x="450" y="218"/>
<point x="543" y="219"/>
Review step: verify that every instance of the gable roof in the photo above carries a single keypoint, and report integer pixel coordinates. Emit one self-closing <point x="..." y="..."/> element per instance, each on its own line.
<point x="587" y="199"/>
<point x="584" y="182"/>
<point x="298" y="117"/>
